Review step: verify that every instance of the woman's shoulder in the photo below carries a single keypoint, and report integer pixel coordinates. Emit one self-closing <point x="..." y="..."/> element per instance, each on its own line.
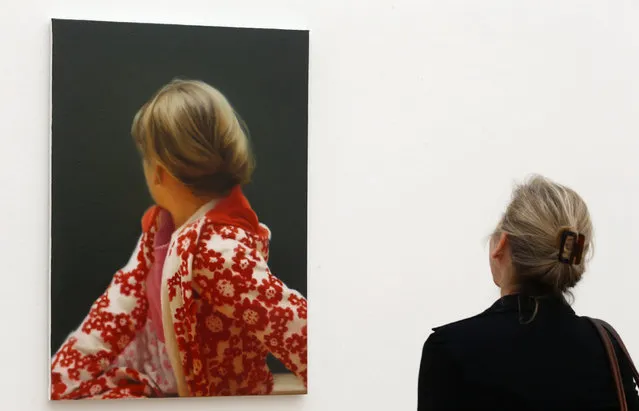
<point x="485" y="325"/>
<point x="229" y="230"/>
<point x="224" y="237"/>
<point x="443" y="332"/>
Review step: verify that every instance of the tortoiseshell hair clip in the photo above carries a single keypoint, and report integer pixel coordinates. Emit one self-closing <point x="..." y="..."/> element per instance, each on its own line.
<point x="571" y="247"/>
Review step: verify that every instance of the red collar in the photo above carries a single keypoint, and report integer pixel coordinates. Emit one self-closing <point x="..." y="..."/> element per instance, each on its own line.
<point x="233" y="210"/>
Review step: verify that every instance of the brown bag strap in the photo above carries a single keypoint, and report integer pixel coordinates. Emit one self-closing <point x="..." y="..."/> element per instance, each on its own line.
<point x="605" y="330"/>
<point x="616" y="336"/>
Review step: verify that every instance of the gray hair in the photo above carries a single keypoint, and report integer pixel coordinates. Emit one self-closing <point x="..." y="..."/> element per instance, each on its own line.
<point x="540" y="210"/>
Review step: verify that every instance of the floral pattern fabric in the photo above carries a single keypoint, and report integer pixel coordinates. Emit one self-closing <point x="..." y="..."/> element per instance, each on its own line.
<point x="223" y="312"/>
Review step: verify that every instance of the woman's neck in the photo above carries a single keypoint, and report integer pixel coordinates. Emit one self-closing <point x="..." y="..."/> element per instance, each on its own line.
<point x="532" y="290"/>
<point x="508" y="291"/>
<point x="185" y="209"/>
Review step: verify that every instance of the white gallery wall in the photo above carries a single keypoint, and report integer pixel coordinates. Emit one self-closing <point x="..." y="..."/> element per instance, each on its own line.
<point x="422" y="115"/>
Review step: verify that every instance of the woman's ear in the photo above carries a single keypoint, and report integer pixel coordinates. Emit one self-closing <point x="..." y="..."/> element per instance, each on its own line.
<point x="499" y="249"/>
<point x="159" y="177"/>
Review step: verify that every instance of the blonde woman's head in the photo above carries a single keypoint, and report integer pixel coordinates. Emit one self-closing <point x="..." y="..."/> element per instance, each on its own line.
<point x="525" y="248"/>
<point x="190" y="136"/>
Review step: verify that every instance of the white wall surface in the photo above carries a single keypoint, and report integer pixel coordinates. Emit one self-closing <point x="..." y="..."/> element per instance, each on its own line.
<point x="422" y="115"/>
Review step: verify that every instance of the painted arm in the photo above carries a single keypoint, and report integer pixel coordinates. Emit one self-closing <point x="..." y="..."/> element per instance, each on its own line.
<point x="82" y="367"/>
<point x="236" y="280"/>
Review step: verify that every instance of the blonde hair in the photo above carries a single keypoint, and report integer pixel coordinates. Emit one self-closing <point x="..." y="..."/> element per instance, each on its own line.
<point x="539" y="212"/>
<point x="193" y="131"/>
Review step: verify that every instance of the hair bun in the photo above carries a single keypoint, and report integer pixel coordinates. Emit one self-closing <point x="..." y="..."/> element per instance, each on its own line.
<point x="550" y="235"/>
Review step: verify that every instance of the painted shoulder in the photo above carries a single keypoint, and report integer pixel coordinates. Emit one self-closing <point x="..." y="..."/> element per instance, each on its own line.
<point x="150" y="217"/>
<point x="266" y="231"/>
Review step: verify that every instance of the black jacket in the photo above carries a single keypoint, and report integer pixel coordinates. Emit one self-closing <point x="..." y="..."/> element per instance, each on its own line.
<point x="494" y="362"/>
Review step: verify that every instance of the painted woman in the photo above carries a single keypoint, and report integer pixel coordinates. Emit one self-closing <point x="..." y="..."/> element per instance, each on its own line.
<point x="196" y="310"/>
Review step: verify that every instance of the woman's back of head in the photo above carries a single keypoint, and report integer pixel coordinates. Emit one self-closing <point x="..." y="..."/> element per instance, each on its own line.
<point x="194" y="132"/>
<point x="539" y="213"/>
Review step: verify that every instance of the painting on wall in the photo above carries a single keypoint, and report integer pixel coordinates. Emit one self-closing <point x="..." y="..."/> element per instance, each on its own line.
<point x="178" y="211"/>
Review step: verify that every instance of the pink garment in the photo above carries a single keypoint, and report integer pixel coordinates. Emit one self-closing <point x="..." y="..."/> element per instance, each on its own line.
<point x="154" y="279"/>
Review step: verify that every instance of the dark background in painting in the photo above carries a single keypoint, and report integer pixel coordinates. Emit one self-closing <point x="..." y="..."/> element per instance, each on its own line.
<point x="102" y="73"/>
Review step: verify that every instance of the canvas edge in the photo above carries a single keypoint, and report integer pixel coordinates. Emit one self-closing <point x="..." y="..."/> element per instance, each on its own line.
<point x="309" y="60"/>
<point x="50" y="203"/>
<point x="278" y="27"/>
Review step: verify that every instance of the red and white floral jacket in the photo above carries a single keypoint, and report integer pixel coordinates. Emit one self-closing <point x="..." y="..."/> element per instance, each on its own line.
<point x="222" y="313"/>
